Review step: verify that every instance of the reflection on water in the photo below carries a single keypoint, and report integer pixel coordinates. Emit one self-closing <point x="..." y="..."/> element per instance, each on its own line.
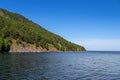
<point x="60" y="66"/>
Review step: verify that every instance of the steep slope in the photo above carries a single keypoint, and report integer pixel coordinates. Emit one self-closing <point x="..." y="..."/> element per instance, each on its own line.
<point x="18" y="34"/>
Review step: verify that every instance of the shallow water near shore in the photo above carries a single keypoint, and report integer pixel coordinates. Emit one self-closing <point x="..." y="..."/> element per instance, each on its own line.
<point x="91" y="65"/>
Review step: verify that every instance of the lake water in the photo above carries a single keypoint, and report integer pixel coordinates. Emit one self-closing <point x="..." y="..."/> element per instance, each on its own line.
<point x="60" y="66"/>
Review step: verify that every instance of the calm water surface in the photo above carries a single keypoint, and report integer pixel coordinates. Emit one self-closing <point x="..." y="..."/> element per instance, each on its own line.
<point x="60" y="66"/>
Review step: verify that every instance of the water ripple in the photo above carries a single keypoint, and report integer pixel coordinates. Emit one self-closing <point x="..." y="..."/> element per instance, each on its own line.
<point x="60" y="66"/>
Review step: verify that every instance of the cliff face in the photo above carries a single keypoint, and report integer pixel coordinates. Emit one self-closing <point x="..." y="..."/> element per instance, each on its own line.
<point x="26" y="47"/>
<point x="18" y="34"/>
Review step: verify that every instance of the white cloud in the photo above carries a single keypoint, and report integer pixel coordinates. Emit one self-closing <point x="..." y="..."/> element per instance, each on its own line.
<point x="101" y="44"/>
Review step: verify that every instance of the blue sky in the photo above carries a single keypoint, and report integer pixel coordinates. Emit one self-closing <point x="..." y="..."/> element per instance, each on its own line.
<point x="94" y="24"/>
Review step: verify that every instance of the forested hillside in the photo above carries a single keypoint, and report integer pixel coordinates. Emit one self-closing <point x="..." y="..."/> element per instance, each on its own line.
<point x="15" y="27"/>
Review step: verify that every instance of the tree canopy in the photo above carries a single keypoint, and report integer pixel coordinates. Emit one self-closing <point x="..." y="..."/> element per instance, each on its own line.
<point x="15" y="26"/>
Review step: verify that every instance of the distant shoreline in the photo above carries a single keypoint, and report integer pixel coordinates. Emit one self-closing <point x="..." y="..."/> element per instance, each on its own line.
<point x="43" y="52"/>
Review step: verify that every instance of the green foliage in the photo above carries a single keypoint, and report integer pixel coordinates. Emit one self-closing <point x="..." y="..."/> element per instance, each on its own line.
<point x="15" y="26"/>
<point x="1" y="44"/>
<point x="4" y="45"/>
